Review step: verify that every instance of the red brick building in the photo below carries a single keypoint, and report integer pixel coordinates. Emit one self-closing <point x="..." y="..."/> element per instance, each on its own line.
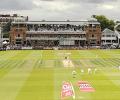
<point x="18" y="34"/>
<point x="93" y="32"/>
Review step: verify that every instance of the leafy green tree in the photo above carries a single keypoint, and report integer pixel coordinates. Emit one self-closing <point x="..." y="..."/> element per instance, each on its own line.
<point x="105" y="22"/>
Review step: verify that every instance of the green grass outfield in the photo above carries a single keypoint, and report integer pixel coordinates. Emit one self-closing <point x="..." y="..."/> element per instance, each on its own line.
<point x="38" y="75"/>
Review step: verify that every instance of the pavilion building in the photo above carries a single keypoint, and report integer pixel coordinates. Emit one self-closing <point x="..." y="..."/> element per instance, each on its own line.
<point x="50" y="34"/>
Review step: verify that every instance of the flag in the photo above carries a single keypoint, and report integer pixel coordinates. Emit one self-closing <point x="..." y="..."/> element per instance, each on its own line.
<point x="67" y="90"/>
<point x="85" y="86"/>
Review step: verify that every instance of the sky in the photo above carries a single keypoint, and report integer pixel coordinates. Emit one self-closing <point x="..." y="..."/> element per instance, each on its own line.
<point x="61" y="9"/>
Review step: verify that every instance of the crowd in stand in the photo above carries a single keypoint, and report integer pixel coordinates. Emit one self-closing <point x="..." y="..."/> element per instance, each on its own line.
<point x="48" y="27"/>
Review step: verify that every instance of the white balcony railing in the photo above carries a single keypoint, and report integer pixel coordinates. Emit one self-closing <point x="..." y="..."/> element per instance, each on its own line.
<point x="108" y="38"/>
<point x="56" y="32"/>
<point x="19" y="37"/>
<point x="46" y="38"/>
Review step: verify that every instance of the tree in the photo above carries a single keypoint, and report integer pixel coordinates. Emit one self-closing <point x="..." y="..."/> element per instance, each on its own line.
<point x="105" y="22"/>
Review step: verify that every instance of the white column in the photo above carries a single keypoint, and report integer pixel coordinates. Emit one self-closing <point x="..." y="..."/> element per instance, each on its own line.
<point x="0" y="30"/>
<point x="119" y="41"/>
<point x="105" y="38"/>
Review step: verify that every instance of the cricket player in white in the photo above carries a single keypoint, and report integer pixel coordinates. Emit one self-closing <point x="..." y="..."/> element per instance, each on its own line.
<point x="95" y="70"/>
<point x="119" y="67"/>
<point x="89" y="71"/>
<point x="82" y="70"/>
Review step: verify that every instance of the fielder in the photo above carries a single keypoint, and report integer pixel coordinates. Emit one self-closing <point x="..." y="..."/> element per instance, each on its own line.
<point x="95" y="70"/>
<point x="119" y="67"/>
<point x="82" y="70"/>
<point x="89" y="71"/>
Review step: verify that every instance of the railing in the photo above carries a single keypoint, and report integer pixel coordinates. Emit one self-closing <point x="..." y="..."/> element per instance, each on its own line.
<point x="56" y="32"/>
<point x="41" y="38"/>
<point x="93" y="38"/>
<point x="5" y="39"/>
<point x="18" y="37"/>
<point x="46" y="38"/>
<point x="108" y="38"/>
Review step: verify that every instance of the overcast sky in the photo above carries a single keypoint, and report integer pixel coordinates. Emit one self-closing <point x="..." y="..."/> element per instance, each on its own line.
<point x="61" y="9"/>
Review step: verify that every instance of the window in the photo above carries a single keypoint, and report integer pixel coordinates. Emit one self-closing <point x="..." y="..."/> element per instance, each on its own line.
<point x="94" y="26"/>
<point x="93" y="35"/>
<point x="90" y="30"/>
<point x="18" y="35"/>
<point x="98" y="42"/>
<point x="113" y="35"/>
<point x="108" y="35"/>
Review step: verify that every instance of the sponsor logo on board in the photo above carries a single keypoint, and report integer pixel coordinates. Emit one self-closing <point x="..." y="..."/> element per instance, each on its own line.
<point x="85" y="86"/>
<point x="67" y="90"/>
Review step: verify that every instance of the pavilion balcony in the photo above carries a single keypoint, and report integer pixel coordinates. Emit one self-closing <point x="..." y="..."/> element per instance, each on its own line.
<point x="108" y="38"/>
<point x="18" y="37"/>
<point x="106" y="43"/>
<point x="46" y="38"/>
<point x="40" y="38"/>
<point x="93" y="38"/>
<point x="56" y="32"/>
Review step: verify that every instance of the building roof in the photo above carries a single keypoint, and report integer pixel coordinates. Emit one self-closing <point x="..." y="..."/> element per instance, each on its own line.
<point x="93" y="21"/>
<point x="58" y="22"/>
<point x="108" y="31"/>
<point x="53" y="22"/>
<point x="117" y="27"/>
<point x="81" y="22"/>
